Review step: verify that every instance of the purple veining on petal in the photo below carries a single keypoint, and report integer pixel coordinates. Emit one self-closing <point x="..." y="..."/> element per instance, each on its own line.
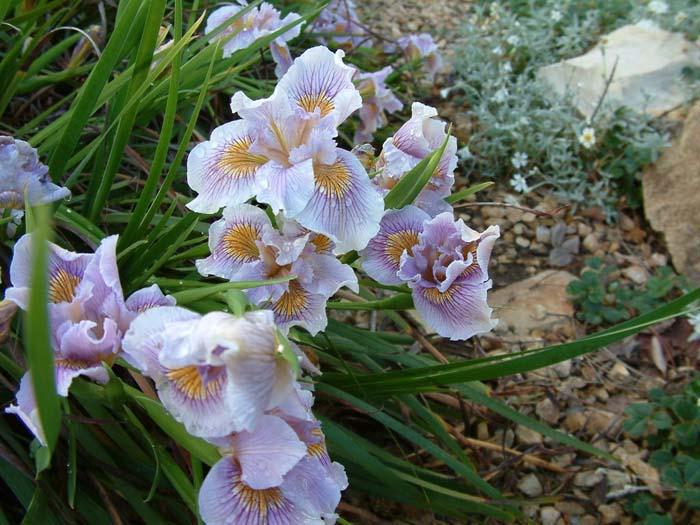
<point x="24" y="177"/>
<point x="448" y="274"/>
<point x="398" y="233"/>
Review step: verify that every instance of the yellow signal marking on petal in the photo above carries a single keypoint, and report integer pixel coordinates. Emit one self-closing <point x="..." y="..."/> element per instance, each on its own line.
<point x="317" y="450"/>
<point x="333" y="179"/>
<point x="239" y="242"/>
<point x="322" y="243"/>
<point x="397" y="242"/>
<point x="188" y="381"/>
<point x="293" y="301"/>
<point x="259" y="501"/>
<point x="310" y="101"/>
<point x="62" y="286"/>
<point x="236" y="160"/>
<point x="437" y="297"/>
<point x="470" y="249"/>
<point x="75" y="364"/>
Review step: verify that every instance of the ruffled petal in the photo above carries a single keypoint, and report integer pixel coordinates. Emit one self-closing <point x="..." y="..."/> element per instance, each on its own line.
<point x="288" y="188"/>
<point x="233" y="241"/>
<point x="146" y="298"/>
<point x="299" y="307"/>
<point x="100" y="291"/>
<point x="345" y="206"/>
<point x="26" y="408"/>
<point x="24" y="178"/>
<point x="319" y="80"/>
<point x="460" y="312"/>
<point x="66" y="270"/>
<point x="146" y="336"/>
<point x="268" y="452"/>
<point x="224" y="499"/>
<point x="398" y="233"/>
<point x="329" y="275"/>
<point x="223" y="170"/>
<point x="315" y="488"/>
<point x="195" y="396"/>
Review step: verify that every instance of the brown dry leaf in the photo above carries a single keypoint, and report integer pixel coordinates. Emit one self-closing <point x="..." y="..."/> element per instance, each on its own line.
<point x="645" y="472"/>
<point x="658" y="357"/>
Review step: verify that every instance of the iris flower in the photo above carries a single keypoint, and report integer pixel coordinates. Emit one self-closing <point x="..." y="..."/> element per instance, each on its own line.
<point x="283" y="152"/>
<point x="340" y="22"/>
<point x="422" y="47"/>
<point x="420" y="136"/>
<point x="377" y="99"/>
<point x="245" y="246"/>
<point x="87" y="311"/>
<point x="257" y="23"/>
<point x="443" y="261"/>
<point x="22" y="177"/>
<point x="215" y="373"/>
<point x="279" y="472"/>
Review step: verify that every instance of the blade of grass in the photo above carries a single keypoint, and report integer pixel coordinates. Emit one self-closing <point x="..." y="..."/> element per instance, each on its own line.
<point x="40" y="357"/>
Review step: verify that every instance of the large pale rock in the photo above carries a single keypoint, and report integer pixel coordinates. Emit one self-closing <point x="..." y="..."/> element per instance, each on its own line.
<point x="672" y="197"/>
<point x="648" y="76"/>
<point x="540" y="302"/>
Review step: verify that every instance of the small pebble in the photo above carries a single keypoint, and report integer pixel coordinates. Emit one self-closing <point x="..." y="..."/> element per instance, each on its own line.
<point x="530" y="486"/>
<point x="522" y="242"/>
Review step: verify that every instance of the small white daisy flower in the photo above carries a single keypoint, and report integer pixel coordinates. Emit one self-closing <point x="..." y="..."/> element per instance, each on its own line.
<point x="556" y="15"/>
<point x="498" y="51"/>
<point x="500" y="96"/>
<point x="513" y="40"/>
<point x="587" y="138"/>
<point x="519" y="160"/>
<point x="507" y="67"/>
<point x="519" y="183"/>
<point x="658" y="7"/>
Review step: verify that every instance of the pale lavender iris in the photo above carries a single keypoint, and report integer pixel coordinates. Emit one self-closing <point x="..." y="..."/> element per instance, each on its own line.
<point x="279" y="472"/>
<point x="283" y="152"/>
<point x="377" y="100"/>
<point x="245" y="246"/>
<point x="257" y="23"/>
<point x="216" y="373"/>
<point x="420" y="136"/>
<point x="23" y="177"/>
<point x="443" y="261"/>
<point x="87" y="311"/>
<point x="398" y="233"/>
<point x="339" y="23"/>
<point x="422" y="47"/>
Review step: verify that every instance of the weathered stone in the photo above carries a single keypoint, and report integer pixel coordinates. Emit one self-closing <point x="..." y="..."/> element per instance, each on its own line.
<point x="543" y="235"/>
<point x="672" y="197"/>
<point x="540" y="302"/>
<point x="591" y="243"/>
<point x="637" y="274"/>
<point x="570" y="508"/>
<point x="588" y="478"/>
<point x="648" y="74"/>
<point x="550" y="516"/>
<point x="547" y="411"/>
<point x="619" y="372"/>
<point x="610" y="514"/>
<point x="530" y="486"/>
<point x="574" y="421"/>
<point x="527" y="436"/>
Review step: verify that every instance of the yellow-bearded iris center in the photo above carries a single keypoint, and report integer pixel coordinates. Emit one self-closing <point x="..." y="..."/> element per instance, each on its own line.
<point x="62" y="286"/>
<point x="239" y="242"/>
<point x="333" y="179"/>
